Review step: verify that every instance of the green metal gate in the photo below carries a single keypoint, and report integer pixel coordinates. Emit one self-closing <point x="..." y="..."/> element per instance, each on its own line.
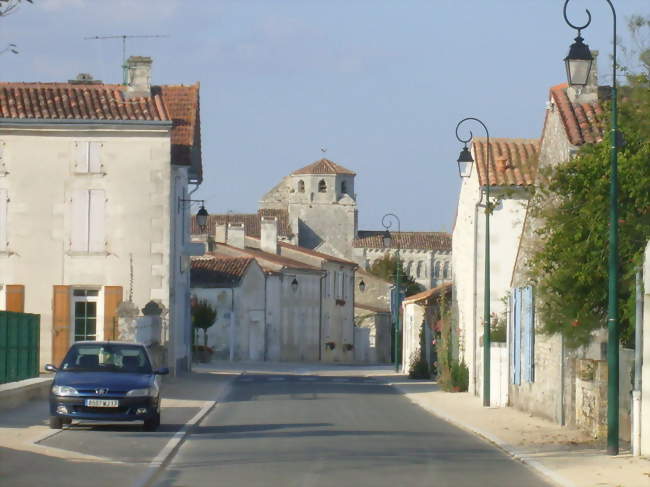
<point x="19" y="346"/>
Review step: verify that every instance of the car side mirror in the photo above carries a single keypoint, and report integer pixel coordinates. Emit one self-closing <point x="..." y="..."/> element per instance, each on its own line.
<point x="161" y="371"/>
<point x="50" y="368"/>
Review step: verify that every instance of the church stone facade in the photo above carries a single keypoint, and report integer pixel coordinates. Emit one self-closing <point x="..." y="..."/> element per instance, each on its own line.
<point x="321" y="209"/>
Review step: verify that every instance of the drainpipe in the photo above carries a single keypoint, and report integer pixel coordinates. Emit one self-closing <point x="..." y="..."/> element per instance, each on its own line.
<point x="638" y="363"/>
<point x="320" y="319"/>
<point x="232" y="323"/>
<point x="474" y="294"/>
<point x="266" y="324"/>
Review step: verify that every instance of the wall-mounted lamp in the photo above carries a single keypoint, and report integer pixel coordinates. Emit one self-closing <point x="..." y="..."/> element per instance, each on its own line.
<point x="362" y="286"/>
<point x="294" y="284"/>
<point x="201" y="215"/>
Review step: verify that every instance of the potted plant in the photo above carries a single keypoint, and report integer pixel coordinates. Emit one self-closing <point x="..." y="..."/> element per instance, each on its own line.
<point x="203" y="317"/>
<point x="330" y="345"/>
<point x="348" y="347"/>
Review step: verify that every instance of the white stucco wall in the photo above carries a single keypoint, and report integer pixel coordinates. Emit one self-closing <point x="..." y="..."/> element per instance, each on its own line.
<point x="137" y="181"/>
<point x="645" y="374"/>
<point x="242" y="308"/>
<point x="468" y="263"/>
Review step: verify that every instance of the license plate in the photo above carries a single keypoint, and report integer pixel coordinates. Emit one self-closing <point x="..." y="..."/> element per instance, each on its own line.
<point x="102" y="403"/>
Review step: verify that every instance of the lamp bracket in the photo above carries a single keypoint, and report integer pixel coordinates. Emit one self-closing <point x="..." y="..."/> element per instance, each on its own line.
<point x="576" y="27"/>
<point x="184" y="200"/>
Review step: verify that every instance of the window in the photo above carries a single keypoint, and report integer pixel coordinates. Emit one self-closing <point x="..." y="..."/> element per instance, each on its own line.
<point x="88" y="214"/>
<point x="419" y="270"/>
<point x="408" y="268"/>
<point x="344" y="187"/>
<point x="445" y="272"/>
<point x="322" y="186"/>
<point x="87" y="157"/>
<point x="85" y="314"/>
<point x="301" y="186"/>
<point x="436" y="270"/>
<point x="4" y="200"/>
<point x="522" y="335"/>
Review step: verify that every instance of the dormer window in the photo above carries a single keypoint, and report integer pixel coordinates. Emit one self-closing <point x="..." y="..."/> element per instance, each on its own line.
<point x="322" y="186"/>
<point x="344" y="187"/>
<point x="301" y="186"/>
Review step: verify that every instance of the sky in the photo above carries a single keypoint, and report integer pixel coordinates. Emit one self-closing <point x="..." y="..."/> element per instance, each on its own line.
<point x="381" y="84"/>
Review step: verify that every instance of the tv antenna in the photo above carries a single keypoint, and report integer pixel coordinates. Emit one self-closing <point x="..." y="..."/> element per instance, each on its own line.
<point x="124" y="37"/>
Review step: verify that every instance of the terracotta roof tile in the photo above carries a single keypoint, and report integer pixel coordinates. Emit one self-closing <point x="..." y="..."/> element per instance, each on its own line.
<point x="98" y="101"/>
<point x="429" y="293"/>
<point x="373" y="239"/>
<point x="182" y="104"/>
<point x="323" y="166"/>
<point x="264" y="258"/>
<point x="582" y="122"/>
<point x="374" y="309"/>
<point x="315" y="253"/>
<point x="251" y="222"/>
<point x="218" y="270"/>
<point x="513" y="162"/>
<point x="71" y="101"/>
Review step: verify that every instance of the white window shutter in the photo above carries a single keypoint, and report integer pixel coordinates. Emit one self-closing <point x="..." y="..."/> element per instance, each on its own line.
<point x="3" y="219"/>
<point x="79" y="227"/>
<point x="96" y="221"/>
<point x="94" y="159"/>
<point x="81" y="156"/>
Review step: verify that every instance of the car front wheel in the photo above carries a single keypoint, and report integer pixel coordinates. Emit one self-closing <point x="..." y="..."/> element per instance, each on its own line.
<point x="56" y="422"/>
<point x="151" y="424"/>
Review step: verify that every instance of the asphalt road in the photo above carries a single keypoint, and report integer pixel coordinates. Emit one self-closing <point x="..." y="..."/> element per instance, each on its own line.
<point x="96" y="454"/>
<point x="283" y="430"/>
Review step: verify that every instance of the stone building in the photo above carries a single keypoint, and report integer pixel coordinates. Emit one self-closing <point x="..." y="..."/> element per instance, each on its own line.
<point x="93" y="179"/>
<point x="513" y="168"/>
<point x="319" y="204"/>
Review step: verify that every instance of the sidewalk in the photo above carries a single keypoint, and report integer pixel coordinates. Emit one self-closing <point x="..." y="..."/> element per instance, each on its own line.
<point x="25" y="428"/>
<point x="566" y="456"/>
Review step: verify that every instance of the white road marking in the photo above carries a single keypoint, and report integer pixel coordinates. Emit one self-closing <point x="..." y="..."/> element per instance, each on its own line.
<point x="172" y="446"/>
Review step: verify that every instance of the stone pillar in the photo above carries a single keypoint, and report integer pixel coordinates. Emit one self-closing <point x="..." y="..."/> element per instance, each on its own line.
<point x="645" y="372"/>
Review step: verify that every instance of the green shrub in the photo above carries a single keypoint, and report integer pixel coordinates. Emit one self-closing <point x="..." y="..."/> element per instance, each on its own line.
<point x="459" y="376"/>
<point x="418" y="368"/>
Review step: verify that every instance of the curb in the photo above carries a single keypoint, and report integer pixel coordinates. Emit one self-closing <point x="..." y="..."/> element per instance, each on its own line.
<point x="167" y="453"/>
<point x="15" y="394"/>
<point x="496" y="441"/>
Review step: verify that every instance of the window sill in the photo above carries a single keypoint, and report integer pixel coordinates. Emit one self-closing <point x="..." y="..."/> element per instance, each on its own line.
<point x="71" y="253"/>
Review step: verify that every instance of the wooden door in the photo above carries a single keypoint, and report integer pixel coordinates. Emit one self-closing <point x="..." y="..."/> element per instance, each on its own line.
<point x="15" y="298"/>
<point x="60" y="323"/>
<point x="112" y="299"/>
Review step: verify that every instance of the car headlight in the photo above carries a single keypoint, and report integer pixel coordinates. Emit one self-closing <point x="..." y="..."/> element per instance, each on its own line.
<point x="148" y="392"/>
<point x="64" y="391"/>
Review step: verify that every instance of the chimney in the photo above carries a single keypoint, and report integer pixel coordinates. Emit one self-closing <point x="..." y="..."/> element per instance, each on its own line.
<point x="589" y="92"/>
<point x="138" y="76"/>
<point x="269" y="234"/>
<point x="236" y="235"/>
<point x="220" y="233"/>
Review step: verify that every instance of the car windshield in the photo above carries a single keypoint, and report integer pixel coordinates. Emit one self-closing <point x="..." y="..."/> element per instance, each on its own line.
<point x="107" y="358"/>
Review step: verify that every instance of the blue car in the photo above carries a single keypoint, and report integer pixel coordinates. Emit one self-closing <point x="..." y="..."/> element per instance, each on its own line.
<point x="106" y="381"/>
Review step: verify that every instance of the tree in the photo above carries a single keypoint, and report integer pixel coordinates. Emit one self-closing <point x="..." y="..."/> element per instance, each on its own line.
<point x="570" y="267"/>
<point x="8" y="6"/>
<point x="386" y="269"/>
<point x="203" y="317"/>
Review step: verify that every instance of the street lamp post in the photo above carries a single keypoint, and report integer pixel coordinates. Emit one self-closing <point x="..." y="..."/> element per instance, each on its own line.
<point x="578" y="63"/>
<point x="465" y="161"/>
<point x="387" y="223"/>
